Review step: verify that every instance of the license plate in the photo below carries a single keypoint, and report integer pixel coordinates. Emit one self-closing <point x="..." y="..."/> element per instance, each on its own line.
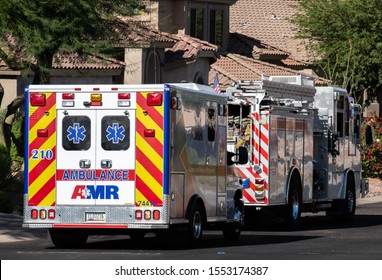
<point x="95" y="217"/>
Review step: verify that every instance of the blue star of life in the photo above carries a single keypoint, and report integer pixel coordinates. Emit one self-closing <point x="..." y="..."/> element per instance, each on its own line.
<point x="115" y="133"/>
<point x="76" y="133"/>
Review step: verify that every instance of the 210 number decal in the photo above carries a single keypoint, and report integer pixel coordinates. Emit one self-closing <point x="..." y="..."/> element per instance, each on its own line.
<point x="42" y="154"/>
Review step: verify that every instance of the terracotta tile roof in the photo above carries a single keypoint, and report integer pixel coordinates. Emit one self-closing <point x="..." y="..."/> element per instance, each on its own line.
<point x="242" y="44"/>
<point x="234" y="67"/>
<point x="75" y="61"/>
<point x="269" y="22"/>
<point x="251" y="47"/>
<point x="189" y="48"/>
<point x="133" y="32"/>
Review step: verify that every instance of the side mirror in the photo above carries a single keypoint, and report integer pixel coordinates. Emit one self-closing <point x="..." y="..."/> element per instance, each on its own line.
<point x="369" y="135"/>
<point x="242" y="154"/>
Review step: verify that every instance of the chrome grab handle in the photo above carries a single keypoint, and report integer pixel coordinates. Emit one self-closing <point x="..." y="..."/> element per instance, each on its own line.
<point x="85" y="163"/>
<point x="106" y="163"/>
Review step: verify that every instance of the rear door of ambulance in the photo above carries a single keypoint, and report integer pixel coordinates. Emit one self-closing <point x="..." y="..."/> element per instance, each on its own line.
<point x="95" y="150"/>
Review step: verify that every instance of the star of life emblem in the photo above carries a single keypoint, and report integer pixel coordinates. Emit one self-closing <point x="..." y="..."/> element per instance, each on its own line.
<point x="115" y="133"/>
<point x="76" y="133"/>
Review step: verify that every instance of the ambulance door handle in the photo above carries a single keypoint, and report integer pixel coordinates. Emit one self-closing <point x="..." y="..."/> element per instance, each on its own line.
<point x="85" y="163"/>
<point x="106" y="163"/>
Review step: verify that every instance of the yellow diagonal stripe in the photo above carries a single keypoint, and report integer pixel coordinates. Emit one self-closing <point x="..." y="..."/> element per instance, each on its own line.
<point x="49" y="199"/>
<point x="42" y="179"/>
<point x="139" y="196"/>
<point x="151" y="124"/>
<point x="156" y="159"/>
<point x="42" y="123"/>
<point x="149" y="180"/>
<point x="49" y="144"/>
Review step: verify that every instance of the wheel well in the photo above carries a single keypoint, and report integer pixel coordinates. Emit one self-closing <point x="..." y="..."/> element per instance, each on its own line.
<point x="238" y="195"/>
<point x="195" y="199"/>
<point x="294" y="177"/>
<point x="349" y="175"/>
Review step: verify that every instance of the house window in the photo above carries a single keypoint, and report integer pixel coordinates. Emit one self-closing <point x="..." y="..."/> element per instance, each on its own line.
<point x="216" y="27"/>
<point x="197" y="23"/>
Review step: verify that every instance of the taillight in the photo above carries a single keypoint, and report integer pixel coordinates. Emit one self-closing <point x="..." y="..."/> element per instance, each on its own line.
<point x="138" y="214"/>
<point x="154" y="99"/>
<point x="34" y="214"/>
<point x="156" y="214"/>
<point x="43" y="214"/>
<point x="51" y="214"/>
<point x="37" y="99"/>
<point x="147" y="214"/>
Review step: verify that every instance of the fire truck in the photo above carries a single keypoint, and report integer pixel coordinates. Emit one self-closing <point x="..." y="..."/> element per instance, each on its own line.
<point x="128" y="159"/>
<point x="304" y="148"/>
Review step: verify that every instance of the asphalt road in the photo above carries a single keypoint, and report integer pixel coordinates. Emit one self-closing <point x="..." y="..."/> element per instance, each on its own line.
<point x="319" y="238"/>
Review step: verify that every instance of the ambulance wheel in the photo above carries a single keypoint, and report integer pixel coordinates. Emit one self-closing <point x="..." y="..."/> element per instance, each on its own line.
<point x="232" y="231"/>
<point x="65" y="238"/>
<point x="293" y="209"/>
<point x="195" y="224"/>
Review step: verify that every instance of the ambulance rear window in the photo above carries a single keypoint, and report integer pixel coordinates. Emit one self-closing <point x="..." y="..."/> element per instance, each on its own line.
<point x="76" y="133"/>
<point x="115" y="133"/>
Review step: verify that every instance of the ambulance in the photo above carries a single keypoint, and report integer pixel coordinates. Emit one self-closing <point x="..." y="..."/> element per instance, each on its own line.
<point x="304" y="148"/>
<point x="128" y="159"/>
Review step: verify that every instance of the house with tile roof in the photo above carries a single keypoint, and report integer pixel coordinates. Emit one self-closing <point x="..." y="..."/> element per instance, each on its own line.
<point x="195" y="40"/>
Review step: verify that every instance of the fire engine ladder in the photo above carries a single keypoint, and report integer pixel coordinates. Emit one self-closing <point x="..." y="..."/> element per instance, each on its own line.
<point x="273" y="89"/>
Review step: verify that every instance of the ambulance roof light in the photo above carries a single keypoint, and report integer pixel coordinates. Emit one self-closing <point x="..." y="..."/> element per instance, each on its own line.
<point x="68" y="95"/>
<point x="154" y="99"/>
<point x="37" y="99"/>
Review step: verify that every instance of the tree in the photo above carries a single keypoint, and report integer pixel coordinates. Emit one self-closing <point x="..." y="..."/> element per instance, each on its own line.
<point x="346" y="39"/>
<point x="33" y="31"/>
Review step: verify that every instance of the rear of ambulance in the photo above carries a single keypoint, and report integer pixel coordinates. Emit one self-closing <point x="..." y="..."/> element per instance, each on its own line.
<point x="94" y="160"/>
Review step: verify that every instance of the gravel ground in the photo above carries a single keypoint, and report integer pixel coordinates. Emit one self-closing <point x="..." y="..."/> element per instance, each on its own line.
<point x="375" y="187"/>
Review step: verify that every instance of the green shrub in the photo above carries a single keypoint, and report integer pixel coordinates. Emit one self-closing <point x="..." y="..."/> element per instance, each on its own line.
<point x="372" y="154"/>
<point x="17" y="144"/>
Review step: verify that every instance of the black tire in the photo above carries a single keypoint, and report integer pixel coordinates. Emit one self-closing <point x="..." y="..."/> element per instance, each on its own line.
<point x="232" y="231"/>
<point x="65" y="238"/>
<point x="349" y="206"/>
<point x="293" y="209"/>
<point x="195" y="225"/>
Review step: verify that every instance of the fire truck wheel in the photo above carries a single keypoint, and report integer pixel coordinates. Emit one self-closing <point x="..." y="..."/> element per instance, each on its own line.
<point x="350" y="200"/>
<point x="67" y="238"/>
<point x="195" y="225"/>
<point x="293" y="212"/>
<point x="232" y="231"/>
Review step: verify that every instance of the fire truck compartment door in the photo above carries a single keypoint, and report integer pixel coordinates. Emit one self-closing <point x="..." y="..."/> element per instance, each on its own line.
<point x="95" y="157"/>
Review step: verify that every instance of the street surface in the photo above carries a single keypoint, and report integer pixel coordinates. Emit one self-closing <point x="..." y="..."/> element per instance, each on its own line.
<point x="319" y="238"/>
